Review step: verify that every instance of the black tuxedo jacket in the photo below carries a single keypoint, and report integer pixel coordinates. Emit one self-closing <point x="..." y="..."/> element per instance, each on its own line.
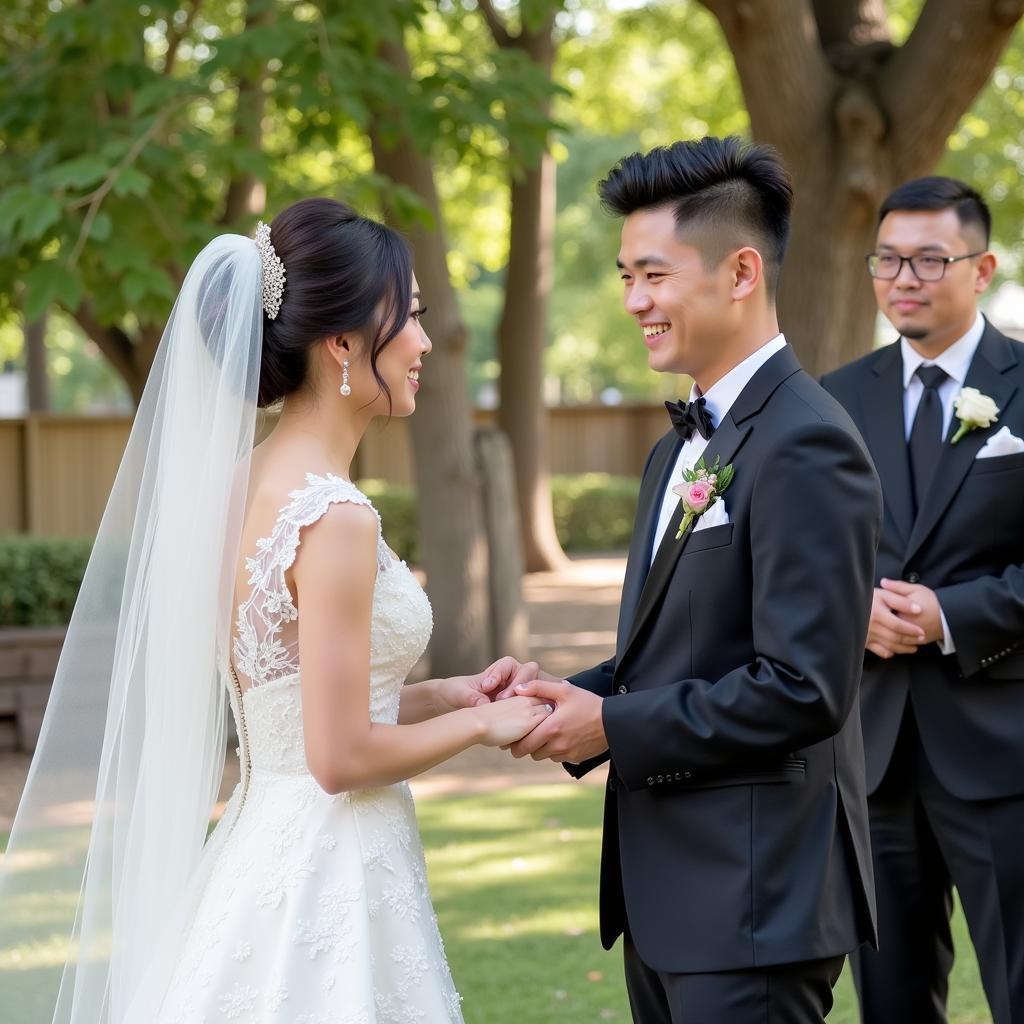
<point x="967" y="544"/>
<point x="736" y="828"/>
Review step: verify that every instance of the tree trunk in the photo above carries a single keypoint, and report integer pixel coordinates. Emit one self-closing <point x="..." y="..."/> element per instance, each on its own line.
<point x="509" y="625"/>
<point x="522" y="332"/>
<point x="454" y="543"/>
<point x="853" y="116"/>
<point x="37" y="378"/>
<point x="522" y="336"/>
<point x="130" y="358"/>
<point x="826" y="306"/>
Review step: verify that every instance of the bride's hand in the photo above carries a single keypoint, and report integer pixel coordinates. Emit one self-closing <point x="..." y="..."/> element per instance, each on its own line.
<point x="472" y="691"/>
<point x="508" y="721"/>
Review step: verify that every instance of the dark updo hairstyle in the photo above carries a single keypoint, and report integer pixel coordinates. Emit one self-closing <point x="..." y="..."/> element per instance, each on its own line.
<point x="344" y="273"/>
<point x="734" y="194"/>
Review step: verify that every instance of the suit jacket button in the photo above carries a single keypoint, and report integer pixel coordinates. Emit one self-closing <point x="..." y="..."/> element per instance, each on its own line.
<point x="687" y="775"/>
<point x="613" y="784"/>
<point x="679" y="776"/>
<point x="623" y="689"/>
<point x="912" y="577"/>
<point x="661" y="778"/>
<point x="650" y="781"/>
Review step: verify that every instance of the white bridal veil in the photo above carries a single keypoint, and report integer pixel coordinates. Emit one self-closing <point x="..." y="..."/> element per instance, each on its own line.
<point x="102" y="861"/>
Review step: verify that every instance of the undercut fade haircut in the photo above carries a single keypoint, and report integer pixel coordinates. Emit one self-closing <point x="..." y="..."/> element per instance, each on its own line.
<point x="938" y="193"/>
<point x="724" y="194"/>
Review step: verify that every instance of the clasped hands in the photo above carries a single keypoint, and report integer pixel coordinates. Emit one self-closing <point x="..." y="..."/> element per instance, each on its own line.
<point x="573" y="732"/>
<point x="903" y="616"/>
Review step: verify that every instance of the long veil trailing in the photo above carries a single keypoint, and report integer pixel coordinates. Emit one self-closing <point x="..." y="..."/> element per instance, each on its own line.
<point x="102" y="863"/>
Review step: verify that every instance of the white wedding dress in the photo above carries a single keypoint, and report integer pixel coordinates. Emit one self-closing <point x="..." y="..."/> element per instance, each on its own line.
<point x="314" y="908"/>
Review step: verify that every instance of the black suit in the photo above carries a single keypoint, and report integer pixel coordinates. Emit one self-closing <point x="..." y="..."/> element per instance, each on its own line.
<point x="736" y="835"/>
<point x="944" y="735"/>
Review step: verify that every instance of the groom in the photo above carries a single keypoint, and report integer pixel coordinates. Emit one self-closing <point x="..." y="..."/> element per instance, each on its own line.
<point x="735" y="860"/>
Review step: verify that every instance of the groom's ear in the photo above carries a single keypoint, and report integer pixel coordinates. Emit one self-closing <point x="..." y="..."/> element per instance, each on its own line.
<point x="747" y="269"/>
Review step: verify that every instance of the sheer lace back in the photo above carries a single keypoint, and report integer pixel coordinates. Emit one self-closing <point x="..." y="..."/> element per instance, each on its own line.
<point x="266" y="644"/>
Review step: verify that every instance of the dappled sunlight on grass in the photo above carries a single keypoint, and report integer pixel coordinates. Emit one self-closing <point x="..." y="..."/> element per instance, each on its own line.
<point x="514" y="875"/>
<point x="46" y="952"/>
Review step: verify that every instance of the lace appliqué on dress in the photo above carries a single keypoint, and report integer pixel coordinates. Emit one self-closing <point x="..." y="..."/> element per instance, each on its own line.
<point x="261" y="650"/>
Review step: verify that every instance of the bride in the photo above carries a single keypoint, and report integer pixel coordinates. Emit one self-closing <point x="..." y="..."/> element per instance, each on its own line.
<point x="261" y="572"/>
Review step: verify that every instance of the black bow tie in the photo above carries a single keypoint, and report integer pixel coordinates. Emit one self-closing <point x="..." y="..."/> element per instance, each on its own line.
<point x="690" y="416"/>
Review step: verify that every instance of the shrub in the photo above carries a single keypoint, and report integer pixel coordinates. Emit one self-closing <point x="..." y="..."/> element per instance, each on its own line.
<point x="39" y="579"/>
<point x="40" y="576"/>
<point x="594" y="511"/>
<point x="397" y="508"/>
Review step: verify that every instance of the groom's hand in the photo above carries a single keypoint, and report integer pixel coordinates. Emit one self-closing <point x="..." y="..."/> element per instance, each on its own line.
<point x="524" y="672"/>
<point x="472" y="691"/>
<point x="573" y="732"/>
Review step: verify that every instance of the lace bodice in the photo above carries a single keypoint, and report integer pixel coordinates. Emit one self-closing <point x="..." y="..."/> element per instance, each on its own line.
<point x="266" y="639"/>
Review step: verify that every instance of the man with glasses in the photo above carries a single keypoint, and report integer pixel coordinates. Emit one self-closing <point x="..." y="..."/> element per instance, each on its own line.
<point x="942" y="696"/>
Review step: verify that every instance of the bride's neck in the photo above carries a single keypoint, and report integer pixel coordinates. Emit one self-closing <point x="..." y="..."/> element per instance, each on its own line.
<point x="331" y="431"/>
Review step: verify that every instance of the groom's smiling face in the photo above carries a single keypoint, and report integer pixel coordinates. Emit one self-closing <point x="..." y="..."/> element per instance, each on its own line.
<point x="679" y="304"/>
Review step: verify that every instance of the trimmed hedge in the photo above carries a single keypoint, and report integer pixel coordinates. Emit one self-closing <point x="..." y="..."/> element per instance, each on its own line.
<point x="397" y="509"/>
<point x="593" y="512"/>
<point x="40" y="576"/>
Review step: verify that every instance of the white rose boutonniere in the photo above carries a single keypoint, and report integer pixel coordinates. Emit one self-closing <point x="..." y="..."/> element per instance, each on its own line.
<point x="973" y="410"/>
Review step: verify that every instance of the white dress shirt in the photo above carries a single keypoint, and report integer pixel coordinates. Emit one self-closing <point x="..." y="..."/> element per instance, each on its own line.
<point x="718" y="401"/>
<point x="956" y="361"/>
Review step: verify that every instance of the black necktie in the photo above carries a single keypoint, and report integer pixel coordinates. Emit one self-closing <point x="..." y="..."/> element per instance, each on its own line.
<point x="926" y="433"/>
<point x="690" y="416"/>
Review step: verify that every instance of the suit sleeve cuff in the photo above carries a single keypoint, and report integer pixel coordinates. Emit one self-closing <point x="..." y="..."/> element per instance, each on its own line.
<point x="946" y="644"/>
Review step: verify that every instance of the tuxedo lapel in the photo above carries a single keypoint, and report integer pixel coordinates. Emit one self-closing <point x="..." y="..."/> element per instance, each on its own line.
<point x="724" y="444"/>
<point x="993" y="356"/>
<point x="648" y="510"/>
<point x="885" y="433"/>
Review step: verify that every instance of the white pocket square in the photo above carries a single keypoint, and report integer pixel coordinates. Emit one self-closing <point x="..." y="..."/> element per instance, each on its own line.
<point x="716" y="515"/>
<point x="1002" y="442"/>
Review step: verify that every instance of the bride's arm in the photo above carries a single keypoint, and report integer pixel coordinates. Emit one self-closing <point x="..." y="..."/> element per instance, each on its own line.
<point x="334" y="576"/>
<point x="433" y="697"/>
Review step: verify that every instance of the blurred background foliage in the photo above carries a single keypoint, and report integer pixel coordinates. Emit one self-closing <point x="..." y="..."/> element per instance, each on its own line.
<point x="166" y="137"/>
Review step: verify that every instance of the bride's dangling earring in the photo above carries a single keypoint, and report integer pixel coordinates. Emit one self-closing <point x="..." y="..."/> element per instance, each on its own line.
<point x="345" y="389"/>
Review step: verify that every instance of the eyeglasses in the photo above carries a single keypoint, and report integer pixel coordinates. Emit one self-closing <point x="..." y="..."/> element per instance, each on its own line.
<point x="886" y="266"/>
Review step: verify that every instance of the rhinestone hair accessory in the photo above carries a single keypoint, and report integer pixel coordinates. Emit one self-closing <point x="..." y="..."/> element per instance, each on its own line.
<point x="273" y="271"/>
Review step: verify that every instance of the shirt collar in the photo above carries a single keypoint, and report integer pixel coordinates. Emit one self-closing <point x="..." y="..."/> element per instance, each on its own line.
<point x="956" y="360"/>
<point x="723" y="393"/>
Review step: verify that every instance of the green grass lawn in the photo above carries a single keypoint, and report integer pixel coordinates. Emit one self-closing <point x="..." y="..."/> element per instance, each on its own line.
<point x="514" y="879"/>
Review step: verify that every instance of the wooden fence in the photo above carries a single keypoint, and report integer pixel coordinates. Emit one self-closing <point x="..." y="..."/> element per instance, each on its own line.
<point x="56" y="471"/>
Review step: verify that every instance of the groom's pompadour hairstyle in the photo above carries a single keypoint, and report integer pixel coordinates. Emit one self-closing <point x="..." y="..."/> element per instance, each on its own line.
<point x="938" y="193"/>
<point x="725" y="191"/>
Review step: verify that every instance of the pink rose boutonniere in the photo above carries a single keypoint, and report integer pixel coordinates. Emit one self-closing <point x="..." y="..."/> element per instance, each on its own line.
<point x="700" y="489"/>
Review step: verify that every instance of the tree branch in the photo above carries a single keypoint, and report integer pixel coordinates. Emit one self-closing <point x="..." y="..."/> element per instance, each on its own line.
<point x="111" y="341"/>
<point x="244" y="194"/>
<point x="853" y="22"/>
<point x="786" y="81"/>
<point x="930" y="81"/>
<point x="175" y="36"/>
<point x="496" y="23"/>
<point x="95" y="198"/>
